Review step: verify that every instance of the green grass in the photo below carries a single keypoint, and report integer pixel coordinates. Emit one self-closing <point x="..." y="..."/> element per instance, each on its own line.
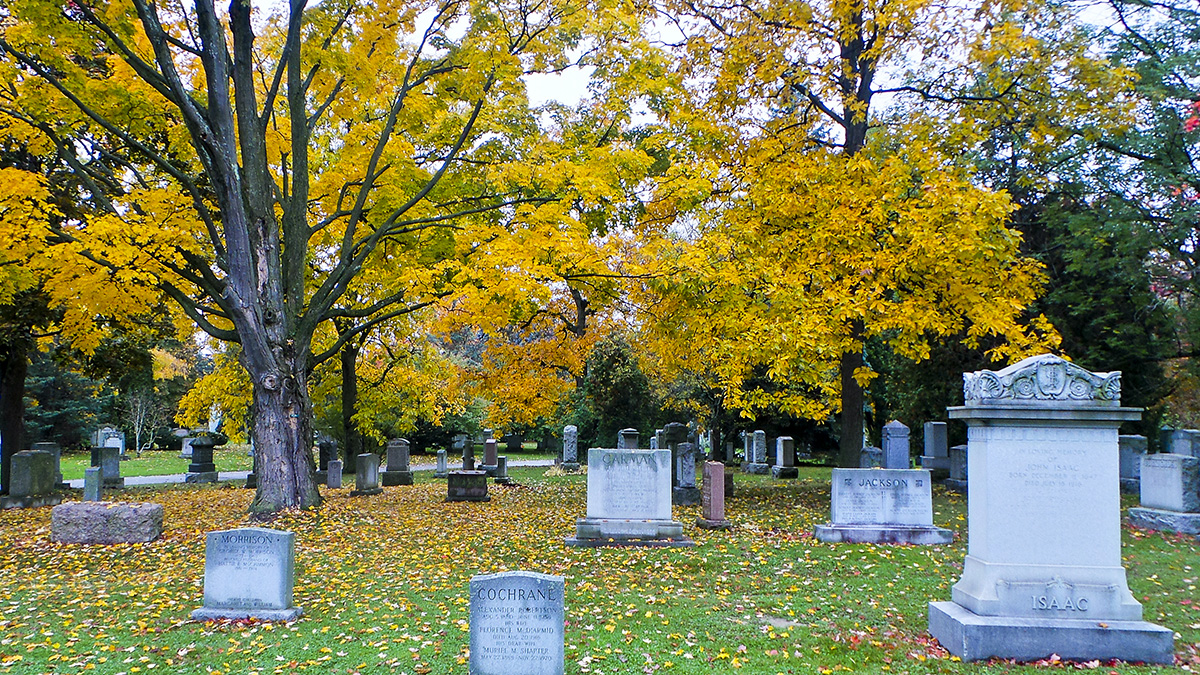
<point x="383" y="584"/>
<point x="159" y="462"/>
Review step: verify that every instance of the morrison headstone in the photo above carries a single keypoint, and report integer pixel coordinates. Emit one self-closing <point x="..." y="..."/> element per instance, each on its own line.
<point x="517" y="624"/>
<point x="1043" y="571"/>
<point x="628" y="501"/>
<point x="249" y="573"/>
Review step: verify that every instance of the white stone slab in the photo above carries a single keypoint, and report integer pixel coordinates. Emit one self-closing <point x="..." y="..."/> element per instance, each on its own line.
<point x="248" y="572"/>
<point x="1169" y="482"/>
<point x="882" y="497"/>
<point x="629" y="484"/>
<point x="517" y="624"/>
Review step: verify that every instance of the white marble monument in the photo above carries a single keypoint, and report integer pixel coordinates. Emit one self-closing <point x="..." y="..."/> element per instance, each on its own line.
<point x="1043" y="570"/>
<point x="628" y="501"/>
<point x="882" y="506"/>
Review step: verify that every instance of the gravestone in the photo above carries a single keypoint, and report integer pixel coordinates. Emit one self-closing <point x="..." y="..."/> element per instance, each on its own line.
<point x="441" y="471"/>
<point x="91" y="484"/>
<point x="31" y="481"/>
<point x="628" y="501"/>
<point x="333" y="478"/>
<point x="937" y="453"/>
<point x="1181" y="442"/>
<point x="517" y="624"/>
<point x="1170" y="491"/>
<point x="93" y="522"/>
<point x="490" y="453"/>
<point x="502" y="477"/>
<point x="870" y="457"/>
<point x="185" y="447"/>
<point x="110" y="467"/>
<point x="202" y="469"/>
<point x="366" y="475"/>
<point x="882" y="506"/>
<point x="685" y="492"/>
<point x="785" y="458"/>
<point x="756" y="459"/>
<point x="398" y="470"/>
<point x="252" y="477"/>
<point x="55" y="451"/>
<point x="513" y="442"/>
<point x="728" y="483"/>
<point x="712" y="500"/>
<point x="1043" y="571"/>
<point x="467" y="486"/>
<point x="570" y="448"/>
<point x="673" y="435"/>
<point x="895" y="446"/>
<point x="627" y="439"/>
<point x="658" y="442"/>
<point x="468" y="454"/>
<point x="327" y="451"/>
<point x="249" y="573"/>
<point x="1133" y="449"/>
<point x="730" y="452"/>
<point x="957" y="482"/>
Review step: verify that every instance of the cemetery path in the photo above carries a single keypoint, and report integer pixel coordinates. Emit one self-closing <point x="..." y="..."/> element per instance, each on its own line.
<point x="241" y="475"/>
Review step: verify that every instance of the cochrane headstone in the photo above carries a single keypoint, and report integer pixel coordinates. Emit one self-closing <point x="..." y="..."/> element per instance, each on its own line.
<point x="937" y="452"/>
<point x="712" y="500"/>
<point x="785" y="458"/>
<point x="490" y="453"/>
<point x="1133" y="449"/>
<point x="366" y="475"/>
<point x="467" y="486"/>
<point x="628" y="501"/>
<point x="55" y="451"/>
<point x="1043" y="571"/>
<point x="1170" y="490"/>
<point x="686" y="493"/>
<point x="441" y="471"/>
<point x="895" y="446"/>
<point x="517" y="624"/>
<point x="249" y="573"/>
<point x="570" y="460"/>
<point x="398" y="471"/>
<point x="756" y="458"/>
<point x="32" y="481"/>
<point x="882" y="506"/>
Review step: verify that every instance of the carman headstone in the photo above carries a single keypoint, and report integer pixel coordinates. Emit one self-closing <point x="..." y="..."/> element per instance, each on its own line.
<point x="628" y="501"/>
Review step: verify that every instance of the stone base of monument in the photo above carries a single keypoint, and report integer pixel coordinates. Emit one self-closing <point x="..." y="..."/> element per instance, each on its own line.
<point x="251" y="481"/>
<point x="685" y="496"/>
<point x="201" y="477"/>
<point x="706" y="524"/>
<point x="391" y="478"/>
<point x="784" y="472"/>
<point x="467" y="486"/>
<point x="441" y="474"/>
<point x="322" y="477"/>
<point x="367" y="492"/>
<point x="955" y="485"/>
<point x="106" y="523"/>
<point x="489" y="469"/>
<point x="207" y="614"/>
<point x="594" y="532"/>
<point x="1131" y="485"/>
<point x="884" y="534"/>
<point x="972" y="637"/>
<point x="757" y="469"/>
<point x="503" y="480"/>
<point x="1161" y="519"/>
<point x="29" y="502"/>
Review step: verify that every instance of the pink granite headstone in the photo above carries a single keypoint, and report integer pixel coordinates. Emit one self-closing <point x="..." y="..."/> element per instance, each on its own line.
<point x="712" y="498"/>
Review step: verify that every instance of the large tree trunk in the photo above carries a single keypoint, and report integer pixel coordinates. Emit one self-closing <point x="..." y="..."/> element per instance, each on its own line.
<point x="14" y="365"/>
<point x="283" y="444"/>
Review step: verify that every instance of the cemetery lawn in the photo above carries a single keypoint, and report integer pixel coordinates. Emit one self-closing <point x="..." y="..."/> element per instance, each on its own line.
<point x="383" y="584"/>
<point x="159" y="462"/>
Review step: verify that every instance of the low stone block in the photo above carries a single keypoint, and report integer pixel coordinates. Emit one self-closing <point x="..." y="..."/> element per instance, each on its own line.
<point x="972" y="637"/>
<point x="784" y="472"/>
<point x="106" y="522"/>
<point x="392" y="478"/>
<point x="1161" y="519"/>
<point x="884" y="534"/>
<point x="756" y="469"/>
<point x="201" y="477"/>
<point x="467" y="486"/>
<point x="685" y="496"/>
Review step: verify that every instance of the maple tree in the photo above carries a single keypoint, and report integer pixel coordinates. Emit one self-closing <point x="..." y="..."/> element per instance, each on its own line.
<point x="259" y="170"/>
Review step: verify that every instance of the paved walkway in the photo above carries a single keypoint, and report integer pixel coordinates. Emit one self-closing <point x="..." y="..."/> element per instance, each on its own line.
<point x="241" y="475"/>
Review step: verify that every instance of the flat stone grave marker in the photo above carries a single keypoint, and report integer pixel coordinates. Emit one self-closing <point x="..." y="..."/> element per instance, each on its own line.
<point x="249" y="572"/>
<point x="1170" y="489"/>
<point x="467" y="486"/>
<point x="628" y="501"/>
<point x="93" y="522"/>
<point x="517" y="624"/>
